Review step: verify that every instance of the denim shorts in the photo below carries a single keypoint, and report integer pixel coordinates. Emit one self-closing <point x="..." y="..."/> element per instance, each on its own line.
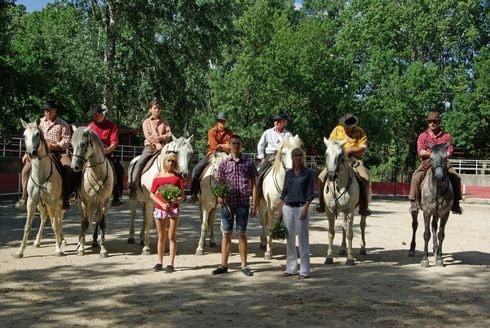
<point x="241" y="215"/>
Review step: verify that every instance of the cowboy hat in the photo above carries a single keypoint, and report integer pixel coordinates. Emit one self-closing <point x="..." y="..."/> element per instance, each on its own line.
<point x="348" y="120"/>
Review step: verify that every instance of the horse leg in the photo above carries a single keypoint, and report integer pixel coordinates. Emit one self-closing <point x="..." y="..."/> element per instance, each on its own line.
<point x="83" y="229"/>
<point x="331" y="234"/>
<point x="53" y="216"/>
<point x="415" y="225"/>
<point x="31" y="209"/>
<point x="425" y="258"/>
<point x="349" y="220"/>
<point x="143" y="224"/>
<point x="59" y="224"/>
<point x="95" y="235"/>
<point x="435" y="247"/>
<point x="440" y="236"/>
<point x="44" y="217"/>
<point x="343" y="245"/>
<point x="132" y="207"/>
<point x="362" y="251"/>
<point x="102" y="223"/>
<point x="204" y="228"/>
<point x="269" y="225"/>
<point x="148" y="224"/>
<point x="263" y="224"/>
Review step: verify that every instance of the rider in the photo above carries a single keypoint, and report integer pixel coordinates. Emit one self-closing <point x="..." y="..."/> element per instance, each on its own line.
<point x="157" y="133"/>
<point x="356" y="145"/>
<point x="270" y="142"/>
<point x="108" y="133"/>
<point x="218" y="140"/>
<point x="57" y="134"/>
<point x="434" y="135"/>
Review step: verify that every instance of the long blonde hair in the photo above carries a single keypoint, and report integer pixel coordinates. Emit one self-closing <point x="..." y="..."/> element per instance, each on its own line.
<point x="173" y="156"/>
<point x="298" y="151"/>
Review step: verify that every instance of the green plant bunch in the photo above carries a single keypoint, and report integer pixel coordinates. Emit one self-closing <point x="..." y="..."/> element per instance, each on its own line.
<point x="169" y="192"/>
<point x="279" y="231"/>
<point x="221" y="188"/>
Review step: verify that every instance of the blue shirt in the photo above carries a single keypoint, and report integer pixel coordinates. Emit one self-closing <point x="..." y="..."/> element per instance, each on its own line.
<point x="298" y="189"/>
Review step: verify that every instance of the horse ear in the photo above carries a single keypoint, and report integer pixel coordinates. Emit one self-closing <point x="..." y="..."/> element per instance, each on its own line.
<point x="446" y="146"/>
<point x="173" y="137"/>
<point x="191" y="138"/>
<point x="86" y="129"/>
<point x="326" y="142"/>
<point x="430" y="145"/>
<point x="38" y="121"/>
<point x="73" y="128"/>
<point x="24" y="123"/>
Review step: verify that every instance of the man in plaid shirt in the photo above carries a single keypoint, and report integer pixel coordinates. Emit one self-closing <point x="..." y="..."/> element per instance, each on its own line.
<point x="240" y="172"/>
<point x="57" y="134"/>
<point x="434" y="135"/>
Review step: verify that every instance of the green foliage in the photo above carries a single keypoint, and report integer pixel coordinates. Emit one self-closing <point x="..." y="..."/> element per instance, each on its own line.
<point x="279" y="231"/>
<point x="169" y="192"/>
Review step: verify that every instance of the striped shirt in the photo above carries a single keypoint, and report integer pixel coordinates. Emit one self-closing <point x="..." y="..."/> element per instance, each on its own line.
<point x="427" y="137"/>
<point x="238" y="174"/>
<point x="57" y="132"/>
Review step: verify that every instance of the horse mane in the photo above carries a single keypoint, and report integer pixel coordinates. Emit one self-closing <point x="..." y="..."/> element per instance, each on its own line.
<point x="292" y="143"/>
<point x="217" y="158"/>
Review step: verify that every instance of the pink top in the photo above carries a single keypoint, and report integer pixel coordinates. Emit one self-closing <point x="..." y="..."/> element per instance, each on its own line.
<point x="156" y="128"/>
<point x="158" y="182"/>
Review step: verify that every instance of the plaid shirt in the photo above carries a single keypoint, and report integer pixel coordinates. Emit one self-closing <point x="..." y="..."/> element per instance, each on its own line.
<point x="57" y="132"/>
<point x="238" y="173"/>
<point x="427" y="137"/>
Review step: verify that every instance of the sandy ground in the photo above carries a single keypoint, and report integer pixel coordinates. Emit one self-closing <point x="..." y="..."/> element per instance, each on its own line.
<point x="384" y="289"/>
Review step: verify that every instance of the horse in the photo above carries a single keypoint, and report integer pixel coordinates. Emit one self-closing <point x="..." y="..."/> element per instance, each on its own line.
<point x="207" y="200"/>
<point x="183" y="148"/>
<point x="436" y="201"/>
<point x="96" y="185"/>
<point x="44" y="189"/>
<point x="341" y="194"/>
<point x="271" y="190"/>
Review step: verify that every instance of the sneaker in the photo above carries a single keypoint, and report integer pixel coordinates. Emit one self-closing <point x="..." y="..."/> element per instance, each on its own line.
<point x="246" y="271"/>
<point x="169" y="269"/>
<point x="219" y="270"/>
<point x="158" y="267"/>
<point x="117" y="203"/>
<point x="21" y="205"/>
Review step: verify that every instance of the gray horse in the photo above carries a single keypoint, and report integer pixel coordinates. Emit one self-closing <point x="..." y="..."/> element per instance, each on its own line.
<point x="436" y="201"/>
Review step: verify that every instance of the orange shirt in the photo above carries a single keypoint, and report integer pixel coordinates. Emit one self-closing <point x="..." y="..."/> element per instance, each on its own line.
<point x="217" y="137"/>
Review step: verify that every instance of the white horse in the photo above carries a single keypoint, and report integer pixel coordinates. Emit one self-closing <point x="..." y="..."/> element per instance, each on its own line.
<point x="341" y="196"/>
<point x="96" y="186"/>
<point x="271" y="190"/>
<point x="44" y="188"/>
<point x="207" y="201"/>
<point x="183" y="148"/>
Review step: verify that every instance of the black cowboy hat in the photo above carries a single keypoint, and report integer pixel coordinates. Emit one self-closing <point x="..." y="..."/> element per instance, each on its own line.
<point x="281" y="116"/>
<point x="348" y="120"/>
<point x="94" y="110"/>
<point x="50" y="104"/>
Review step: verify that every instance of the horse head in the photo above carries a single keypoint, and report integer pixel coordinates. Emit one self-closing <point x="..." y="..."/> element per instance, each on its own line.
<point x="34" y="140"/>
<point x="438" y="161"/>
<point x="283" y="155"/>
<point x="82" y="147"/>
<point x="334" y="157"/>
<point x="182" y="147"/>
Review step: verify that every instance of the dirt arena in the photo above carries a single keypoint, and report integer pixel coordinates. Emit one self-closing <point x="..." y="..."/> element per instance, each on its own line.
<point x="384" y="289"/>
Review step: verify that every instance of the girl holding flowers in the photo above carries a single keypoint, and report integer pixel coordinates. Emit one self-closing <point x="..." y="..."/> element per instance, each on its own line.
<point x="167" y="192"/>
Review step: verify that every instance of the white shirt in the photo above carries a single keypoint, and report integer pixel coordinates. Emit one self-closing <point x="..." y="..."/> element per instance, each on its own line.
<point x="271" y="141"/>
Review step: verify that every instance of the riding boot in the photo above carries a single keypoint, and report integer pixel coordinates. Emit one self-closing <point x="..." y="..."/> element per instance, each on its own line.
<point x="66" y="202"/>
<point x="363" y="198"/>
<point x="456" y="183"/>
<point x="194" y="189"/>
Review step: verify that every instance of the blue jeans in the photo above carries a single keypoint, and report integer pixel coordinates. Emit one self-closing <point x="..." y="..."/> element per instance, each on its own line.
<point x="241" y="215"/>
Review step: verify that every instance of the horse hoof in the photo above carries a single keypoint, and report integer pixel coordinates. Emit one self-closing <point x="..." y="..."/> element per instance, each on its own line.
<point x="342" y="252"/>
<point x="362" y="251"/>
<point x="95" y="244"/>
<point x="64" y="243"/>
<point x="145" y="251"/>
<point x="329" y="260"/>
<point x="199" y="252"/>
<point x="213" y="244"/>
<point x="424" y="263"/>
<point x="18" y="255"/>
<point x="439" y="262"/>
<point x="350" y="262"/>
<point x="59" y="253"/>
<point x="81" y="253"/>
<point x="104" y="255"/>
<point x="411" y="253"/>
<point x="37" y="245"/>
<point x="268" y="256"/>
<point x="130" y="240"/>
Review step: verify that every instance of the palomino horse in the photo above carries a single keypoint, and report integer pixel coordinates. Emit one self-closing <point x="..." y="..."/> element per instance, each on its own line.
<point x="341" y="196"/>
<point x="44" y="188"/>
<point x="96" y="186"/>
<point x="207" y="201"/>
<point x="271" y="189"/>
<point x="183" y="148"/>
<point x="436" y="201"/>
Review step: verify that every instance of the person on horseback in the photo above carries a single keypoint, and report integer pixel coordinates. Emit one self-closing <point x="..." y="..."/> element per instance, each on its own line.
<point x="57" y="133"/>
<point x="108" y="133"/>
<point x="434" y="135"/>
<point x="356" y="145"/>
<point x="218" y="140"/>
<point x="157" y="133"/>
<point x="270" y="142"/>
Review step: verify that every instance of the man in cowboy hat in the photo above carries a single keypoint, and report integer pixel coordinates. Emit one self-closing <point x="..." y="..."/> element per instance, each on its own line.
<point x="356" y="145"/>
<point x="434" y="135"/>
<point x="57" y="134"/>
<point x="271" y="141"/>
<point x="108" y="133"/>
<point x="218" y="140"/>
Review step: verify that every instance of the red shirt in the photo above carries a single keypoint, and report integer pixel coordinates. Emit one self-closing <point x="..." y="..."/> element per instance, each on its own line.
<point x="427" y="137"/>
<point x="107" y="132"/>
<point x="158" y="182"/>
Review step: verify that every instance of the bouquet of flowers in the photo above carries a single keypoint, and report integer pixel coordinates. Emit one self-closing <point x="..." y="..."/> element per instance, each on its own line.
<point x="221" y="188"/>
<point x="169" y="192"/>
<point x="279" y="231"/>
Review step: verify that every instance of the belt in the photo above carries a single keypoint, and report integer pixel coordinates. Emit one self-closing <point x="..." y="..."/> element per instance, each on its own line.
<point x="294" y="204"/>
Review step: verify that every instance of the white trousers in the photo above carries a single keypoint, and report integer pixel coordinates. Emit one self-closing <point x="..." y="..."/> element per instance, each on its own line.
<point x="299" y="228"/>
